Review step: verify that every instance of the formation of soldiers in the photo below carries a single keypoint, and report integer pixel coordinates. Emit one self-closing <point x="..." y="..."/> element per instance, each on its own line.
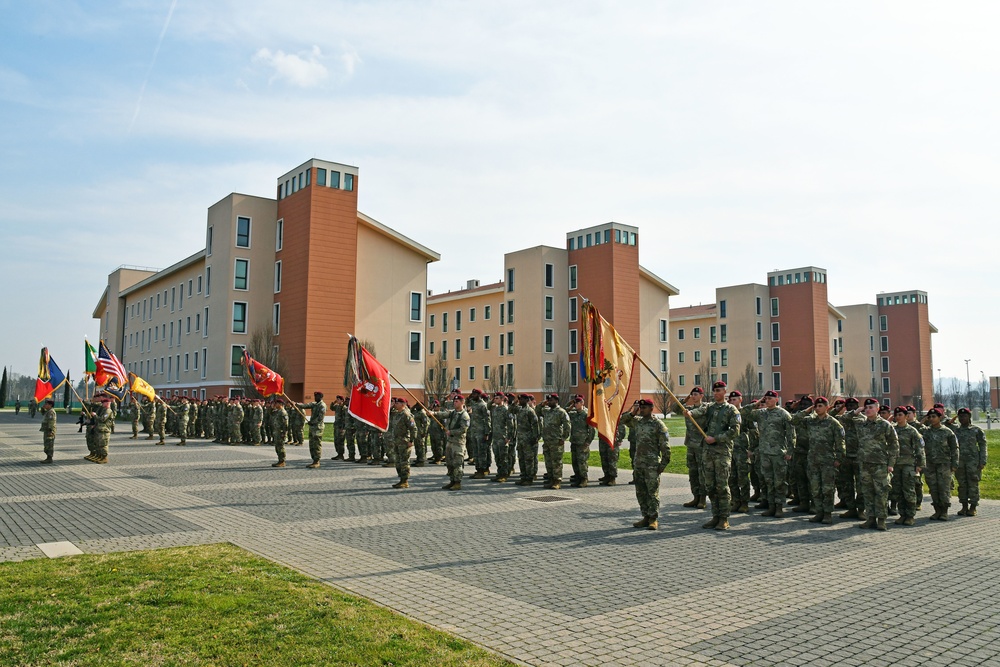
<point x="873" y="458"/>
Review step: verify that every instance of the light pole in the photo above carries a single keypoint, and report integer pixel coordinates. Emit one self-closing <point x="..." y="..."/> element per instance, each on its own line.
<point x="940" y="391"/>
<point x="968" y="383"/>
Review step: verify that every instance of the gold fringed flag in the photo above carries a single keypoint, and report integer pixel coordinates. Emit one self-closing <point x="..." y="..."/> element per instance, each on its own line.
<point x="608" y="362"/>
<point x="141" y="387"/>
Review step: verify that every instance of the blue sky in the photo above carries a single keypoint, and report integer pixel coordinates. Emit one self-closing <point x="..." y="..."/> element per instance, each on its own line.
<point x="739" y="137"/>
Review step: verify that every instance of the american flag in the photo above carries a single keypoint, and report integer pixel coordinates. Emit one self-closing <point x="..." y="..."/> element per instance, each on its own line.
<point x="109" y="367"/>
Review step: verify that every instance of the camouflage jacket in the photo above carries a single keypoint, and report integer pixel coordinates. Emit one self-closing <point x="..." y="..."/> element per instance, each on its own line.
<point x="777" y="436"/>
<point x="580" y="432"/>
<point x="316" y="416"/>
<point x="971" y="445"/>
<point x="877" y="441"/>
<point x="911" y="446"/>
<point x="826" y="435"/>
<point x="479" y="418"/>
<point x="693" y="439"/>
<point x="104" y="419"/>
<point x="721" y="421"/>
<point x="652" y="444"/>
<point x="502" y="424"/>
<point x="423" y="423"/>
<point x="279" y="421"/>
<point x="48" y="428"/>
<point x="456" y="423"/>
<point x="402" y="428"/>
<point x="850" y="435"/>
<point x="526" y="425"/>
<point x="339" y="417"/>
<point x="941" y="446"/>
<point x="554" y="422"/>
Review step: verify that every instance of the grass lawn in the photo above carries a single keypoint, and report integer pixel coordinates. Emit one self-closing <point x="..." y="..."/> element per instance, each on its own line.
<point x="209" y="605"/>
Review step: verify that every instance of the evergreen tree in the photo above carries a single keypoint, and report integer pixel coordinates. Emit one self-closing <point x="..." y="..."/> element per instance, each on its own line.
<point x="3" y="389"/>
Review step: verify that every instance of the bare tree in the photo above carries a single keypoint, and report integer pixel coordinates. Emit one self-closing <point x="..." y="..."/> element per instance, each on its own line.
<point x="850" y="385"/>
<point x="955" y="393"/>
<point x="437" y="379"/>
<point x="748" y="385"/>
<point x="704" y="376"/>
<point x="560" y="379"/>
<point x="497" y="381"/>
<point x="261" y="348"/>
<point x="662" y="399"/>
<point x="824" y="383"/>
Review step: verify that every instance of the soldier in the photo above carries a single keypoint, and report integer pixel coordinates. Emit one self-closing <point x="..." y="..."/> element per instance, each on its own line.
<point x="339" y="424"/>
<point x="133" y="416"/>
<point x="777" y="440"/>
<point x="512" y="443"/>
<point x="296" y="421"/>
<point x="479" y="434"/>
<point x="878" y="448"/>
<point x="555" y="430"/>
<point x="693" y="441"/>
<point x="361" y="432"/>
<point x="32" y="408"/>
<point x="722" y="427"/>
<point x="437" y="437"/>
<point x="102" y="430"/>
<point x="609" y="456"/>
<point x="972" y="459"/>
<point x="350" y="433"/>
<point x="799" y="465"/>
<point x="423" y="423"/>
<point x="826" y="454"/>
<point x="527" y="432"/>
<point x="256" y="421"/>
<point x="942" y="453"/>
<point x="456" y="426"/>
<point x="581" y="434"/>
<point x="48" y="429"/>
<point x="279" y="425"/>
<point x="909" y="463"/>
<point x="918" y="482"/>
<point x="739" y="477"/>
<point x="849" y="483"/>
<point x="502" y="432"/>
<point x="183" y="417"/>
<point x="160" y="421"/>
<point x="17" y="406"/>
<point x="402" y="431"/>
<point x="652" y="454"/>
<point x="317" y="414"/>
<point x="234" y="418"/>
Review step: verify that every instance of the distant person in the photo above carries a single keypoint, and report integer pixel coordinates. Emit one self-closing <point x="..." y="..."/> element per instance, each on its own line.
<point x="48" y="429"/>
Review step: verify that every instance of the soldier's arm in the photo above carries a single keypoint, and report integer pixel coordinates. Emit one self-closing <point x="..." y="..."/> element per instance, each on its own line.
<point x="789" y="434"/>
<point x="953" y="445"/>
<point x="981" y="440"/>
<point x="663" y="444"/>
<point x="839" y="448"/>
<point x="732" y="428"/>
<point x="892" y="445"/>
<point x="919" y="457"/>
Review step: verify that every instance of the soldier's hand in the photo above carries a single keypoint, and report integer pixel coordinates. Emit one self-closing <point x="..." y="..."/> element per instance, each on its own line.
<point x="890" y="470"/>
<point x="836" y="464"/>
<point x="788" y="457"/>
<point x="954" y="470"/>
<point x="710" y="439"/>
<point x="918" y="469"/>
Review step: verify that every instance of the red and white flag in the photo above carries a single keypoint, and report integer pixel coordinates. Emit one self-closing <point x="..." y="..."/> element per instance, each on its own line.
<point x="370" y="390"/>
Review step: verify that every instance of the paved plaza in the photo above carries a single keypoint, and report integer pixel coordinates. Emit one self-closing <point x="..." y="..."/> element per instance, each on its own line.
<point x="542" y="577"/>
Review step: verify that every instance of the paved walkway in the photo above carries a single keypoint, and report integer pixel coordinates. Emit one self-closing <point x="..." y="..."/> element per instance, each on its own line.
<point x="562" y="582"/>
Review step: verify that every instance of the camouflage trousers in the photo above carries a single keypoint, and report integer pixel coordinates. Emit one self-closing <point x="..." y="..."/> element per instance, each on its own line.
<point x="755" y="473"/>
<point x="279" y="445"/>
<point x="402" y="452"/>
<point x="512" y="455"/>
<point x="695" y="478"/>
<point x="849" y="483"/>
<point x="527" y="453"/>
<point x="480" y="451"/>
<point x="968" y="475"/>
<point x="101" y="443"/>
<point x="182" y="430"/>
<point x="210" y="429"/>
<point x="349" y="443"/>
<point x="501" y="452"/>
<point x="647" y="489"/>
<point x="609" y="459"/>
<point x="254" y="434"/>
<point x="580" y="457"/>
<point x="553" y="450"/>
<point x="774" y="470"/>
<point x="739" y="475"/>
<point x="798" y="476"/>
<point x="235" y="437"/>
<point x="454" y="457"/>
<point x="716" y="465"/>
<point x="904" y="490"/>
<point x="49" y="445"/>
<point x="160" y="428"/>
<point x="420" y="448"/>
<point x="875" y="489"/>
<point x="939" y="479"/>
<point x="822" y="483"/>
<point x="437" y="447"/>
<point x="135" y="429"/>
<point x="316" y="446"/>
<point x="338" y="440"/>
<point x="364" y="446"/>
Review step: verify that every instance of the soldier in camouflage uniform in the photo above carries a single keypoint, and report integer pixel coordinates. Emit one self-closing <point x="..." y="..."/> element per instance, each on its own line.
<point x="878" y="448"/>
<point x="693" y="441"/>
<point x="423" y="423"/>
<point x="183" y="416"/>
<point x="501" y="433"/>
<point x="581" y="434"/>
<point x="972" y="459"/>
<point x="826" y="454"/>
<point x="456" y="425"/>
<point x="102" y="428"/>
<point x="480" y="429"/>
<point x="909" y="463"/>
<point x="234" y="418"/>
<point x="317" y="415"/>
<point x="942" y="453"/>
<point x="402" y="431"/>
<point x="256" y="422"/>
<point x="722" y="427"/>
<point x="339" y="427"/>
<point x="555" y="430"/>
<point x="799" y="465"/>
<point x="148" y="409"/>
<point x="279" y="426"/>
<point x="777" y="440"/>
<point x="296" y="422"/>
<point x="512" y="442"/>
<point x="652" y="454"/>
<point x="609" y="456"/>
<point x="48" y="429"/>
<point x="350" y="433"/>
<point x="739" y="477"/>
<point x="133" y="415"/>
<point x="437" y="436"/>
<point x="160" y="421"/>
<point x="849" y="479"/>
<point x="527" y="432"/>
<point x="918" y="482"/>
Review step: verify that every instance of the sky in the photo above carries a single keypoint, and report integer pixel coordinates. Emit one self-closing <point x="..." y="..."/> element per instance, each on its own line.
<point x="860" y="137"/>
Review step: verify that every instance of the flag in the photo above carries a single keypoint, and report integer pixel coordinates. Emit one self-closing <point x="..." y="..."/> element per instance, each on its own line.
<point x="50" y="377"/>
<point x="608" y="362"/>
<point x="116" y="389"/>
<point x="109" y="367"/>
<point x="89" y="358"/>
<point x="369" y="383"/>
<point x="265" y="381"/>
<point x="141" y="387"/>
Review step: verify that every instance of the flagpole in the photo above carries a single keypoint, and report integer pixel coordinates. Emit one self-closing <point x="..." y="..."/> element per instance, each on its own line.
<point x="415" y="399"/>
<point x="667" y="389"/>
<point x="293" y="404"/>
<point x="83" y="405"/>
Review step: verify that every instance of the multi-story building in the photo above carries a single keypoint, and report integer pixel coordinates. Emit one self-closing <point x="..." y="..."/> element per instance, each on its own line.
<point x="785" y="335"/>
<point x="303" y="271"/>
<point x="522" y="333"/>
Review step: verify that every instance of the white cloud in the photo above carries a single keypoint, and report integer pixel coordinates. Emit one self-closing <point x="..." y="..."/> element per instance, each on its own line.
<point x="304" y="71"/>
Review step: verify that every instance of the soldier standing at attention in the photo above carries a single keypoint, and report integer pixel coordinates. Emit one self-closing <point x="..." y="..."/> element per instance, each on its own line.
<point x="777" y="440"/>
<point x="160" y="421"/>
<point x="339" y="427"/>
<point x="235" y="418"/>
<point x="437" y="437"/>
<point x="878" y="448"/>
<point x="48" y="429"/>
<point x="826" y="455"/>
<point x="941" y="450"/>
<point x="722" y="427"/>
<point x="799" y="465"/>
<point x="350" y="433"/>
<point x="609" y="456"/>
<point x="909" y="463"/>
<point x="918" y="483"/>
<point x="256" y="421"/>
<point x="528" y="431"/>
<point x="456" y="426"/>
<point x="480" y="428"/>
<point x="102" y="429"/>
<point x="182" y="421"/>
<point x="423" y="423"/>
<point x="501" y="433"/>
<point x="849" y="485"/>
<point x="580" y="436"/>
<point x="652" y="454"/>
<point x="739" y="476"/>
<point x="693" y="442"/>
<point x="317" y="415"/>
<point x="279" y="426"/>
<point x="402" y="432"/>
<point x="295" y="423"/>
<point x="555" y="430"/>
<point x="972" y="459"/>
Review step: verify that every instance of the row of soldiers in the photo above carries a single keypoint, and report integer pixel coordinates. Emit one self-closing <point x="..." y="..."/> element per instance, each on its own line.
<point x="810" y="450"/>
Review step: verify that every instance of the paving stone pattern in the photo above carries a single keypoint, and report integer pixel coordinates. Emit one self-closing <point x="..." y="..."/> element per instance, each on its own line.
<point x="568" y="582"/>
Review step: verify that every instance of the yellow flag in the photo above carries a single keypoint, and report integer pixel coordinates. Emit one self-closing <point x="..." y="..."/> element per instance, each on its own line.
<point x="141" y="387"/>
<point x="608" y="362"/>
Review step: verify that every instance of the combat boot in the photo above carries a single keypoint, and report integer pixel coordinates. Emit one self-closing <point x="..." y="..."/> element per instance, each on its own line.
<point x="419" y="464"/>
<point x="47" y="459"/>
<point x="448" y="486"/>
<point x="712" y="523"/>
<point x="555" y="485"/>
<point x="850" y="514"/>
<point x="801" y="508"/>
<point x="817" y="519"/>
<point x="279" y="464"/>
<point x="103" y="459"/>
<point x="755" y="497"/>
<point x="582" y="483"/>
<point x="743" y="508"/>
<point x="880" y="524"/>
<point x="692" y="503"/>
<point x="971" y="512"/>
<point x="862" y="516"/>
<point x="602" y="479"/>
<point x="770" y="512"/>
<point x="401" y="484"/>
<point x="723" y="524"/>
<point x="908" y="521"/>
<point x="964" y="510"/>
<point x="827" y="519"/>
<point x="841" y="505"/>
<point x="869" y="523"/>
<point x="892" y="509"/>
<point x="778" y="512"/>
<point x="457" y="486"/>
<point x="943" y="516"/>
<point x="314" y="464"/>
<point x="937" y="513"/>
<point x="523" y="482"/>
<point x="762" y="505"/>
<point x="701" y="502"/>
<point x="653" y="523"/>
<point x="611" y="482"/>
<point x="338" y="457"/>
<point x="641" y="523"/>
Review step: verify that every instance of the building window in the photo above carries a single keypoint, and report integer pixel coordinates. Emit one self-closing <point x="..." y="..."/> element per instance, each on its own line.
<point x="187" y="362"/>
<point x="663" y="361"/>
<point x="680" y="357"/>
<point x="236" y="361"/>
<point x="724" y="333"/>
<point x="415" y="346"/>
<point x="883" y="323"/>
<point x="239" y="317"/>
<point x="472" y="373"/>
<point x="487" y="312"/>
<point x="758" y="307"/>
<point x="510" y="342"/>
<point x="885" y="364"/>
<point x="187" y="327"/>
<point x="574" y="374"/>
<point x="190" y="287"/>
<point x="680" y="334"/>
<point x="760" y="331"/>
<point x="349" y="182"/>
<point x="713" y="357"/>
<point x="549" y="307"/>
<point x="572" y="310"/>
<point x="335" y="179"/>
<point x="663" y="331"/>
<point x="572" y="276"/>
<point x="697" y="379"/>
<point x="277" y="276"/>
<point x="775" y="331"/>
<point x="510" y="280"/>
<point x="680" y="380"/>
<point x="549" y="374"/>
<point x="776" y="381"/>
<point x="722" y="308"/>
<point x="276" y="318"/>
<point x="697" y="357"/>
<point x="180" y="305"/>
<point x="458" y="349"/>
<point x="199" y="284"/>
<point x="444" y="322"/>
<point x="885" y="385"/>
<point x="486" y="342"/>
<point x="458" y="320"/>
<point x="510" y="375"/>
<point x="510" y="312"/>
<point x="725" y="357"/>
<point x="549" y="335"/>
<point x="242" y="232"/>
<point x="885" y="343"/>
<point x="416" y="306"/>
<point x="697" y="332"/>
<point x="444" y="350"/>
<point x="775" y="356"/>
<point x="241" y="275"/>
<point x="774" y="307"/>
<point x="431" y="344"/>
<point x="431" y="318"/>
<point x="197" y="321"/>
<point x="502" y="311"/>
<point x="320" y="176"/>
<point x="712" y="335"/>
<point x="196" y="357"/>
<point x="208" y="243"/>
<point x="573" y="341"/>
<point x="173" y="298"/>
<point x="472" y="343"/>
<point x="208" y="280"/>
<point x="472" y="314"/>
<point x="204" y="332"/>
<point x="550" y="275"/>
<point x="760" y="356"/>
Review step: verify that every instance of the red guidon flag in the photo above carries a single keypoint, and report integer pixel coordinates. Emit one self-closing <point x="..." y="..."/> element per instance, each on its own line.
<point x="369" y="383"/>
<point x="265" y="381"/>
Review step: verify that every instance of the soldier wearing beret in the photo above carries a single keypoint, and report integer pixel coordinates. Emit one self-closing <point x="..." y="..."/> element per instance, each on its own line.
<point x="652" y="455"/>
<point x="826" y="454"/>
<point x="941" y="451"/>
<point x="777" y="441"/>
<point x="878" y="448"/>
<point x="971" y="461"/>
<point x="555" y="431"/>
<point x="693" y="443"/>
<point x="722" y="428"/>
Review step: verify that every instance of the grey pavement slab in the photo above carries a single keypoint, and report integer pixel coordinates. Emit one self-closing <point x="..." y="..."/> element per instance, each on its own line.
<point x="568" y="582"/>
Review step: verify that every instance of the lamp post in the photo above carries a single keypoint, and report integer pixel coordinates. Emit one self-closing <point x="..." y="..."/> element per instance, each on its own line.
<point x="968" y="383"/>
<point x="940" y="391"/>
